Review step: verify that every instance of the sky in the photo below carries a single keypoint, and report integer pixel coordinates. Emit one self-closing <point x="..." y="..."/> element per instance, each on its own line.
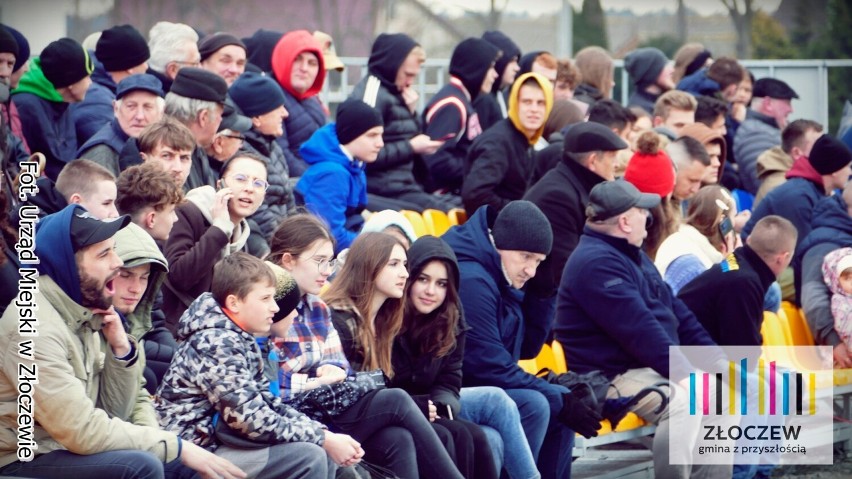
<point x="537" y="7"/>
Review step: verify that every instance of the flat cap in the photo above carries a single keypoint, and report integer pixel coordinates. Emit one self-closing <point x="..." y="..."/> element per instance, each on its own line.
<point x="140" y="81"/>
<point x="591" y="136"/>
<point x="773" y="88"/>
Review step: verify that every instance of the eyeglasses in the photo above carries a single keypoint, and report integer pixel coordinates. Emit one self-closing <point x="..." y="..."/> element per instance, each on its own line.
<point x="243" y="180"/>
<point x="235" y="137"/>
<point x="189" y="64"/>
<point x="324" y="265"/>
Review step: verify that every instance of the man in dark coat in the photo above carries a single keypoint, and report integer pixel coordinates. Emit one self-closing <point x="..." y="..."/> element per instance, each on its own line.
<point x="57" y="78"/>
<point x="138" y="103"/>
<point x="735" y="319"/>
<point x="616" y="315"/>
<point x="501" y="161"/>
<point x="394" y="64"/>
<point x="508" y="323"/>
<point x="562" y="194"/>
<point x="651" y="72"/>
<point x="121" y="51"/>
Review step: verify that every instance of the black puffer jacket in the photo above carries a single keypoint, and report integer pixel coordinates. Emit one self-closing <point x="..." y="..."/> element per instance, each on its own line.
<point x="392" y="172"/>
<point x="279" y="198"/>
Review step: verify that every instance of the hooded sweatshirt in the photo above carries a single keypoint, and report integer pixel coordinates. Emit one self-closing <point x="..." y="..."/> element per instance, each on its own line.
<point x="46" y="121"/>
<point x="423" y="375"/>
<point x="87" y="400"/>
<point x="195" y="244"/>
<point x="451" y="113"/>
<point x="307" y="113"/>
<point x="136" y="247"/>
<point x="772" y="166"/>
<point x="335" y="185"/>
<point x="392" y="174"/>
<point x="505" y="324"/>
<point x="492" y="108"/>
<point x="218" y="368"/>
<point x="501" y="161"/>
<point x="706" y="135"/>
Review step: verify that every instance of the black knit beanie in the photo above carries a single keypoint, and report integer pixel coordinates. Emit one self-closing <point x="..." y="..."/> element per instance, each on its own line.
<point x="23" y="48"/>
<point x="829" y="155"/>
<point x="214" y="42"/>
<point x="521" y="226"/>
<point x="121" y="47"/>
<point x="65" y="62"/>
<point x="354" y="118"/>
<point x="256" y="94"/>
<point x="644" y="65"/>
<point x="8" y="44"/>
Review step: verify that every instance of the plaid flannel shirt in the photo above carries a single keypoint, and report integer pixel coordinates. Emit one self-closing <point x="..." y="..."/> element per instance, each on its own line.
<point x="310" y="342"/>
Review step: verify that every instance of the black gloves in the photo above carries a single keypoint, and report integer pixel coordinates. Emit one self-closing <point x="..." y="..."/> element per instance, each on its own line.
<point x="579" y="414"/>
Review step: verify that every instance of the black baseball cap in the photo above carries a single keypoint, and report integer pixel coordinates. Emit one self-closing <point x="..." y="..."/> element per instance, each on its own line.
<point x="87" y="230"/>
<point x="612" y="198"/>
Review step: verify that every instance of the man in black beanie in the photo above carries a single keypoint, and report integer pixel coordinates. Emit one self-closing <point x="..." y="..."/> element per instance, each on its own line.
<point x="224" y="55"/>
<point x="651" y="73"/>
<point x="58" y="77"/>
<point x="15" y="150"/>
<point x="121" y="51"/>
<point x="497" y="255"/>
<point x="8" y="55"/>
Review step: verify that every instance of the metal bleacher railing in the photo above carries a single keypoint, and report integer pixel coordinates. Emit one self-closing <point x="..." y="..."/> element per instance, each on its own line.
<point x="808" y="77"/>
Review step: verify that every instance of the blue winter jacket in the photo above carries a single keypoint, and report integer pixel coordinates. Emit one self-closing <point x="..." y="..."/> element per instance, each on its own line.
<point x="333" y="187"/>
<point x="506" y="324"/>
<point x="306" y="117"/>
<point x="616" y="313"/>
<point x="698" y="84"/>
<point x="95" y="111"/>
<point x="793" y="200"/>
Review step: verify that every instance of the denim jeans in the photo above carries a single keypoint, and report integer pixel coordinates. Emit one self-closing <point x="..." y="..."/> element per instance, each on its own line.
<point x="492" y="408"/>
<point x="551" y="442"/>
<point x="122" y="464"/>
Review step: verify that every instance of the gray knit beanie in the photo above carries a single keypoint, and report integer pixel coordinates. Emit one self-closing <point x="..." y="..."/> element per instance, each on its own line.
<point x="644" y="65"/>
<point x="521" y="226"/>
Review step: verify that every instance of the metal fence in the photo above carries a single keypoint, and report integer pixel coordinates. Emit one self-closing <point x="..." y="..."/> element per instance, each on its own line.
<point x="808" y="77"/>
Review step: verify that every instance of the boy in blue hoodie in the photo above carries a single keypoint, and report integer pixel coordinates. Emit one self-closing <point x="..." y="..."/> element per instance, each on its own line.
<point x="335" y="186"/>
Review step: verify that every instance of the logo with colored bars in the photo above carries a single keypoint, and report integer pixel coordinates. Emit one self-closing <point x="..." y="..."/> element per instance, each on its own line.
<point x="797" y="390"/>
<point x="751" y="405"/>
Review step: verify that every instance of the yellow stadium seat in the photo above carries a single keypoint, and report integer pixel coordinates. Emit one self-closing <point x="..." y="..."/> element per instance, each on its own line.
<point x="800" y="332"/>
<point x="457" y="216"/>
<point x="561" y="364"/>
<point x="774" y="331"/>
<point x="416" y="222"/>
<point x="437" y="222"/>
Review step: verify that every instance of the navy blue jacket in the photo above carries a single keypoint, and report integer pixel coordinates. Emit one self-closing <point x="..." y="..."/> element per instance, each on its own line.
<point x="306" y="117"/>
<point x="112" y="136"/>
<point x="49" y="128"/>
<point x="698" y="84"/>
<point x="793" y="200"/>
<point x="334" y="187"/>
<point x="505" y="324"/>
<point x="616" y="313"/>
<point x="95" y="111"/>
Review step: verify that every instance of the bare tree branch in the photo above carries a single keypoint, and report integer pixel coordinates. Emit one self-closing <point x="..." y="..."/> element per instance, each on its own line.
<point x="445" y="24"/>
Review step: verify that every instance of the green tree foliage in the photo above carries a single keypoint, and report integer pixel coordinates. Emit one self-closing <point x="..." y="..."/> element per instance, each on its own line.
<point x="769" y="40"/>
<point x="590" y="26"/>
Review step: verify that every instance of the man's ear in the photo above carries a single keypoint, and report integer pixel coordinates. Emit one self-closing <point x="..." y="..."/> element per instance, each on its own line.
<point x="255" y="121"/>
<point x="658" y="120"/>
<point x="75" y="199"/>
<point x="203" y="117"/>
<point x="149" y="219"/>
<point x="144" y="156"/>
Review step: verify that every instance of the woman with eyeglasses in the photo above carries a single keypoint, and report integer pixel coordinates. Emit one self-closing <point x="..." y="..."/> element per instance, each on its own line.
<point x="387" y="423"/>
<point x="260" y="98"/>
<point x="211" y="225"/>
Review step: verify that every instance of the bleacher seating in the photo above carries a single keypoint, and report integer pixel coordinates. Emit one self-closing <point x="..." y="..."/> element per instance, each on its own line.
<point x="437" y="222"/>
<point x="457" y="216"/>
<point x="416" y="222"/>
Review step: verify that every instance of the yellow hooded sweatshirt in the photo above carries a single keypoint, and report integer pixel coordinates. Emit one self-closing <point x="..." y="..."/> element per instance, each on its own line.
<point x="514" y="105"/>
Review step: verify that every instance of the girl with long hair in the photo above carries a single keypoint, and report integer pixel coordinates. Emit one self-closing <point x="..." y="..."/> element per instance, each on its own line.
<point x="386" y="421"/>
<point x="427" y="359"/>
